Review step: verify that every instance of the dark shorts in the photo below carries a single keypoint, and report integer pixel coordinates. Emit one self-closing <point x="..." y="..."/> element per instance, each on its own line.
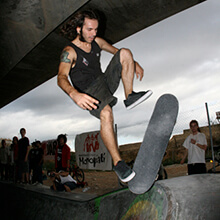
<point x="61" y="168"/>
<point x="196" y="168"/>
<point x="60" y="186"/>
<point x="105" y="85"/>
<point x="23" y="166"/>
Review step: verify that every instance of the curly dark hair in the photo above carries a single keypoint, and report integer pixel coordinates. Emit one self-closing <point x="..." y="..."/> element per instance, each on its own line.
<point x="69" y="28"/>
<point x="62" y="136"/>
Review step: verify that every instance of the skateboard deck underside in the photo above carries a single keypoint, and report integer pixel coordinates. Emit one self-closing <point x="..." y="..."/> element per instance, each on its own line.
<point x="154" y="144"/>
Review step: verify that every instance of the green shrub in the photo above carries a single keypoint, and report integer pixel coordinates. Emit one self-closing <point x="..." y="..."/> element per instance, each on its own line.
<point x="171" y="162"/>
<point x="48" y="165"/>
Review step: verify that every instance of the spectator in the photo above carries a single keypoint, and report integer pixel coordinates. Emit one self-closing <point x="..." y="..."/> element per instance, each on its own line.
<point x="4" y="158"/>
<point x="14" y="159"/>
<point x="54" y="147"/>
<point x="196" y="145"/>
<point x="44" y="147"/>
<point x="62" y="181"/>
<point x="23" y="151"/>
<point x="49" y="148"/>
<point x="39" y="158"/>
<point x="62" y="154"/>
<point x="32" y="162"/>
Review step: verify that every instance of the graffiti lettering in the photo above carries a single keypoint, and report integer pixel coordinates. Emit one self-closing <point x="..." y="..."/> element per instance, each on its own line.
<point x="91" y="143"/>
<point x="85" y="159"/>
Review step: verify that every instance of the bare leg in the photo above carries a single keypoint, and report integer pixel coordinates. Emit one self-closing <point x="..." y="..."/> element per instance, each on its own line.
<point x="27" y="177"/>
<point x="107" y="133"/>
<point x="67" y="188"/>
<point x="127" y="74"/>
<point x="23" y="177"/>
<point x="54" y="186"/>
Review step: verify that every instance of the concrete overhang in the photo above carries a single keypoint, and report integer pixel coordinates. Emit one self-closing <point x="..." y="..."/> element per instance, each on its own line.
<point x="31" y="44"/>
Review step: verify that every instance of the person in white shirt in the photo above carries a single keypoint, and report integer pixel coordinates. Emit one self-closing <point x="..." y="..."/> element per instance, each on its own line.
<point x="62" y="181"/>
<point x="196" y="145"/>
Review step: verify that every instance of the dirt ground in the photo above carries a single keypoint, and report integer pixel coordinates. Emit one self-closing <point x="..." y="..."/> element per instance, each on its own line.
<point x="100" y="182"/>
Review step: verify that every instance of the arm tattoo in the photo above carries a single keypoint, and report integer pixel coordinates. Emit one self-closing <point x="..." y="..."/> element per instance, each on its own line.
<point x="64" y="57"/>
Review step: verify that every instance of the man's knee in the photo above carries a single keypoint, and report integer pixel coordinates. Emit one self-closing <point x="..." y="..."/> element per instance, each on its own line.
<point x="106" y="114"/>
<point x="125" y="55"/>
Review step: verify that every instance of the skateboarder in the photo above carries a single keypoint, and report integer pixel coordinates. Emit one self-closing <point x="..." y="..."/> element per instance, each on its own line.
<point x="91" y="89"/>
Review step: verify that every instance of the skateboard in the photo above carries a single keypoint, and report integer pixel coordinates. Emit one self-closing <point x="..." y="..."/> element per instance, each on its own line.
<point x="153" y="147"/>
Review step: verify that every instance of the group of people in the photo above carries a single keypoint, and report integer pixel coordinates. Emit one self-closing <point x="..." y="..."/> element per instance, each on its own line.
<point x="23" y="164"/>
<point x="18" y="161"/>
<point x="81" y="78"/>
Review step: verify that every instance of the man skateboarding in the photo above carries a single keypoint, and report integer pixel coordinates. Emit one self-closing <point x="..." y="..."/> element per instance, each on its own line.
<point x="93" y="90"/>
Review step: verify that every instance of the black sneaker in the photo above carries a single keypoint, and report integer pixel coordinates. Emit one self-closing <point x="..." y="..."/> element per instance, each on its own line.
<point x="135" y="99"/>
<point x="123" y="171"/>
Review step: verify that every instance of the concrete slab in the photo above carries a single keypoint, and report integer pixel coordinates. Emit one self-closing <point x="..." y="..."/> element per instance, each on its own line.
<point x="30" y="28"/>
<point x="188" y="197"/>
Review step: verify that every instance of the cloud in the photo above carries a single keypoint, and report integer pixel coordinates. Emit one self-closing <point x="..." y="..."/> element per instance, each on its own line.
<point x="180" y="55"/>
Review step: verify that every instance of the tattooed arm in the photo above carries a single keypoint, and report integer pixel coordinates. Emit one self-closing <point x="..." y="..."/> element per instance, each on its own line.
<point x="67" y="61"/>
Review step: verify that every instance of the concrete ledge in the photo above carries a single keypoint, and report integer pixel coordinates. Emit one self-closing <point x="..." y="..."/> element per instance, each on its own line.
<point x="188" y="197"/>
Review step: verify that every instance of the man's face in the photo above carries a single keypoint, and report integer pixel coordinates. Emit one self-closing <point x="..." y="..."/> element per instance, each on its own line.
<point x="23" y="132"/>
<point x="194" y="127"/>
<point x="61" y="142"/>
<point x="15" y="141"/>
<point x="89" y="30"/>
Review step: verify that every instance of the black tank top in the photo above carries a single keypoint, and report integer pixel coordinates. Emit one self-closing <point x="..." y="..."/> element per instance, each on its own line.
<point x="87" y="67"/>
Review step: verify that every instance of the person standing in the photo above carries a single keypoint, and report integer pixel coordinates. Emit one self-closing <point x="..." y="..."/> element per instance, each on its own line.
<point x="195" y="147"/>
<point x="32" y="162"/>
<point x="62" y="154"/>
<point x="23" y="151"/>
<point x="4" y="158"/>
<point x="39" y="159"/>
<point x="14" y="157"/>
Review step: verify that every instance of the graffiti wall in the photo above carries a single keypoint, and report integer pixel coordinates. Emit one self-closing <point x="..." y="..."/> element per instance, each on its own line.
<point x="91" y="152"/>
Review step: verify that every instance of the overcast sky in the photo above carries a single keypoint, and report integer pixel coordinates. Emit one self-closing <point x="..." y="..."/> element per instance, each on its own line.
<point x="180" y="55"/>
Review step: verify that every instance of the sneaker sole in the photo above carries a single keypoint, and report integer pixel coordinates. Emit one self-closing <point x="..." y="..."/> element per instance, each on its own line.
<point x="144" y="97"/>
<point x="130" y="177"/>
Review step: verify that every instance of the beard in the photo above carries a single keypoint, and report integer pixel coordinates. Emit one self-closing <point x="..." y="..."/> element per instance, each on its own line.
<point x="81" y="38"/>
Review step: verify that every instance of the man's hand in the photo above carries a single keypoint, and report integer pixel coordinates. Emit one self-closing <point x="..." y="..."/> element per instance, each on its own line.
<point x="138" y="71"/>
<point x="84" y="101"/>
<point x="193" y="141"/>
<point x="182" y="161"/>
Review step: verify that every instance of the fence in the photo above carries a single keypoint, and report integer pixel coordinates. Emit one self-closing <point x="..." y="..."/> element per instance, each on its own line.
<point x="198" y="113"/>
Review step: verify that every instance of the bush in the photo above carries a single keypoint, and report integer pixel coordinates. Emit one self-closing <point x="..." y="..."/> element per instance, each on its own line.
<point x="169" y="161"/>
<point x="72" y="158"/>
<point x="49" y="165"/>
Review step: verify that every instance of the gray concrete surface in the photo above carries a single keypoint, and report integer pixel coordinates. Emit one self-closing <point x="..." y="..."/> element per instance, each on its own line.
<point x="30" y="45"/>
<point x="183" y="198"/>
